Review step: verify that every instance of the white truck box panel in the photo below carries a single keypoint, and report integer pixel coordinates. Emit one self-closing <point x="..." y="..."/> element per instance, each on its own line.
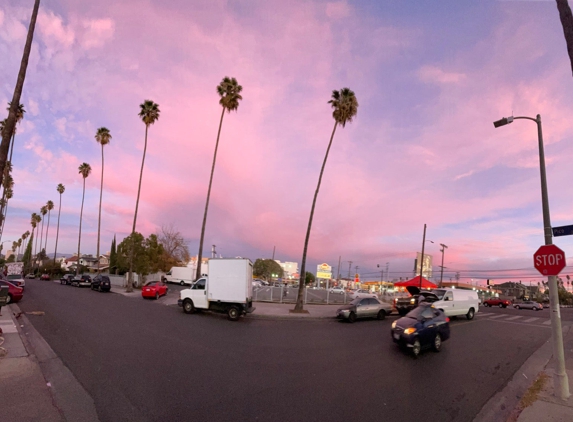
<point x="230" y="280"/>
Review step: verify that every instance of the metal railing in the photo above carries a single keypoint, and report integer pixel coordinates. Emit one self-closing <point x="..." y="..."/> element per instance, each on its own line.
<point x="284" y="294"/>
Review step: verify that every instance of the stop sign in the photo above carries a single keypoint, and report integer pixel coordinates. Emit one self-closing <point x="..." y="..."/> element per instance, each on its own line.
<point x="549" y="260"/>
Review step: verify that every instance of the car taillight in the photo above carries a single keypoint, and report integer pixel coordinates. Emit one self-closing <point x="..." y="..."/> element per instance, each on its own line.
<point x="447" y="319"/>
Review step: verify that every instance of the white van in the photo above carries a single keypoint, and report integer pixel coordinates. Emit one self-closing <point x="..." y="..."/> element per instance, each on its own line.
<point x="457" y="302"/>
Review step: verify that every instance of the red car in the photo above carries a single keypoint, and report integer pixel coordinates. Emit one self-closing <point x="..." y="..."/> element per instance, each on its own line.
<point x="14" y="293"/>
<point x="496" y="301"/>
<point x="45" y="277"/>
<point x="154" y="289"/>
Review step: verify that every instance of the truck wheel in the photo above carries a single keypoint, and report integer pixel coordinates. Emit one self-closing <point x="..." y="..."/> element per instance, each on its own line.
<point x="381" y="315"/>
<point x="181" y="283"/>
<point x="233" y="313"/>
<point x="188" y="307"/>
<point x="470" y="314"/>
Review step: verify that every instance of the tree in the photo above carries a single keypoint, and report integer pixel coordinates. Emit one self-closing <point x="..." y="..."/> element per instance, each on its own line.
<point x="113" y="256"/>
<point x="174" y="245"/>
<point x="61" y="189"/>
<point x="37" y="220"/>
<point x="102" y="137"/>
<point x="12" y="114"/>
<point x="50" y="207"/>
<point x="566" y="18"/>
<point x="145" y="255"/>
<point x="43" y="211"/>
<point x="309" y="278"/>
<point x="265" y="268"/>
<point x="230" y="92"/>
<point x="149" y="113"/>
<point x="7" y="193"/>
<point x="27" y="258"/>
<point x="345" y="107"/>
<point x="85" y="170"/>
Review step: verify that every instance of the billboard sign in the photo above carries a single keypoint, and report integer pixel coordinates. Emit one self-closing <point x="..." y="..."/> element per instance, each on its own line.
<point x="324" y="271"/>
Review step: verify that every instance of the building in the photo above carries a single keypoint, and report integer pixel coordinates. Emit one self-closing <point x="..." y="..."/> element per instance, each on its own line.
<point x="204" y="264"/>
<point x="290" y="268"/>
<point x="517" y="290"/>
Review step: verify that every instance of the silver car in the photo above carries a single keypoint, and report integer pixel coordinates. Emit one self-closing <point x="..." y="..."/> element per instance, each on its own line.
<point x="528" y="304"/>
<point x="364" y="307"/>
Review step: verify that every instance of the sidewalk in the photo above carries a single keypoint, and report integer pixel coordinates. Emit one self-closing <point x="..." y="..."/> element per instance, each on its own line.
<point x="547" y="407"/>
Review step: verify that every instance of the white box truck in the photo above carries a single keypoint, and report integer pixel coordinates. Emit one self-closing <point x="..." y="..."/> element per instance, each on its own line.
<point x="181" y="275"/>
<point x="228" y="289"/>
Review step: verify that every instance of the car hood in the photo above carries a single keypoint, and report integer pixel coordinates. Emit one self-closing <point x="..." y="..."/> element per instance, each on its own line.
<point x="406" y="322"/>
<point x="346" y="307"/>
<point x="413" y="290"/>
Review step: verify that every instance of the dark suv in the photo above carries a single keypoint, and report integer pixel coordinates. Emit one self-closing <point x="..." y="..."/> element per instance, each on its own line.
<point x="101" y="283"/>
<point x="67" y="279"/>
<point x="82" y="280"/>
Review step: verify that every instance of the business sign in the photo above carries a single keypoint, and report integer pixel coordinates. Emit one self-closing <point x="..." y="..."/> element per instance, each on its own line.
<point x="549" y="260"/>
<point x="427" y="265"/>
<point x="324" y="271"/>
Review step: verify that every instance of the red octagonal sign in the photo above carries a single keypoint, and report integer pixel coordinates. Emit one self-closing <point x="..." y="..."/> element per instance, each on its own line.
<point x="549" y="260"/>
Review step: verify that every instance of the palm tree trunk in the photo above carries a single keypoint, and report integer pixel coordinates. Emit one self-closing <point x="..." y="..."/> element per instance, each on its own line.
<point x="4" y="207"/>
<point x="4" y="221"/>
<point x="42" y="234"/>
<point x="80" y="236"/>
<point x="99" y="216"/>
<point x="58" y="230"/>
<point x="11" y="122"/>
<point x="47" y="228"/>
<point x="36" y="244"/>
<point x="200" y="255"/>
<point x="566" y="18"/>
<point x="302" y="281"/>
<point x="130" y="276"/>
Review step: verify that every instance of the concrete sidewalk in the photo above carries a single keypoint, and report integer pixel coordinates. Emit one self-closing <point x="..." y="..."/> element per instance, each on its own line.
<point x="547" y="407"/>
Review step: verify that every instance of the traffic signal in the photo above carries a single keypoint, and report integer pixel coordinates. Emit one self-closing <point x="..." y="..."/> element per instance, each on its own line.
<point x="488" y="281"/>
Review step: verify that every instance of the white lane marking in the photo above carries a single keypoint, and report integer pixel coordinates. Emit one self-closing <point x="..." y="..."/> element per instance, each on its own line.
<point x="484" y="314"/>
<point x="513" y="318"/>
<point x="498" y="316"/>
<point x="531" y="320"/>
<point x="547" y="322"/>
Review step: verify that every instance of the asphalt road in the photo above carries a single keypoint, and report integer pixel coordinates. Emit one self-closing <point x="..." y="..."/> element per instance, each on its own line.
<point x="144" y="361"/>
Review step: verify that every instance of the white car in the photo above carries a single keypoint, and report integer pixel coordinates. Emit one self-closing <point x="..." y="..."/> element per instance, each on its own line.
<point x="338" y="290"/>
<point x="16" y="279"/>
<point x="362" y="293"/>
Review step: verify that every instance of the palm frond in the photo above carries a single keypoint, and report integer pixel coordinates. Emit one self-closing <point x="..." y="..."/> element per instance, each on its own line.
<point x="103" y="136"/>
<point x="149" y="112"/>
<point x="229" y="90"/>
<point x="345" y="106"/>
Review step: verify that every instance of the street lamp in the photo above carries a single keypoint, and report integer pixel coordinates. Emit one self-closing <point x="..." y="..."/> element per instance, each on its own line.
<point x="444" y="247"/>
<point x="561" y="383"/>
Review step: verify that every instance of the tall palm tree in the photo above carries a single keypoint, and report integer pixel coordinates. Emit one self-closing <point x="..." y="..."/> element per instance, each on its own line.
<point x="11" y="122"/>
<point x="149" y="113"/>
<point x="61" y="189"/>
<point x="85" y="170"/>
<point x="50" y="207"/>
<point x="43" y="211"/>
<point x="34" y="223"/>
<point x="345" y="107"/>
<point x="7" y="184"/>
<point x="230" y="94"/>
<point x="25" y="238"/>
<point x="566" y="18"/>
<point x="19" y="243"/>
<point x="8" y="193"/>
<point x="102" y="137"/>
<point x="19" y="117"/>
<point x="38" y="221"/>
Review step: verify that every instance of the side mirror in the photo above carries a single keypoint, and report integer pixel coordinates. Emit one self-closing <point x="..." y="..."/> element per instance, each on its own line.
<point x="446" y="298"/>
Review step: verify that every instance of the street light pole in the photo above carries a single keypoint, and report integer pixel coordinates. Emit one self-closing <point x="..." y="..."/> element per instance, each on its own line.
<point x="561" y="382"/>
<point x="444" y="247"/>
<point x="422" y="262"/>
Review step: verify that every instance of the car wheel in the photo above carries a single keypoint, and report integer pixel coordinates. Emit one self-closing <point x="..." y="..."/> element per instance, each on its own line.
<point x="416" y="348"/>
<point x="381" y="314"/>
<point x="99" y="288"/>
<point x="501" y="305"/>
<point x="181" y="283"/>
<point x="9" y="299"/>
<point x="517" y="307"/>
<point x="535" y="309"/>
<point x="437" y="345"/>
<point x="486" y="305"/>
<point x="352" y="317"/>
<point x="188" y="307"/>
<point x="156" y="296"/>
<point x="233" y="313"/>
<point x="470" y="314"/>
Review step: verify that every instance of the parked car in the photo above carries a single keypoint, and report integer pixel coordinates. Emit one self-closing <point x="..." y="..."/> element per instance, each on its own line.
<point x="82" y="281"/>
<point x="15" y="293"/>
<point x="30" y="275"/>
<point x="67" y="278"/>
<point x="423" y="327"/>
<point x="496" y="301"/>
<point x="154" y="289"/>
<point x="101" y="283"/>
<point x="338" y="290"/>
<point x="406" y="304"/>
<point x="17" y="280"/>
<point x="362" y="293"/>
<point x="457" y="302"/>
<point x="45" y="277"/>
<point x="528" y="304"/>
<point x="364" y="307"/>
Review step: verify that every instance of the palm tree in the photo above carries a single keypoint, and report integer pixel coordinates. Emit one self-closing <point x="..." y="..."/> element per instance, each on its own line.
<point x="230" y="92"/>
<point x="11" y="122"/>
<point x="43" y="211"/>
<point x="50" y="207"/>
<point x="8" y="193"/>
<point x="8" y="168"/>
<point x="19" y="243"/>
<point x="25" y="238"/>
<point x="345" y="108"/>
<point x="19" y="117"/>
<point x="38" y="220"/>
<point x="34" y="223"/>
<point x="149" y="113"/>
<point x="102" y="137"/>
<point x="7" y="184"/>
<point x="566" y="18"/>
<point x="61" y="189"/>
<point x="85" y="170"/>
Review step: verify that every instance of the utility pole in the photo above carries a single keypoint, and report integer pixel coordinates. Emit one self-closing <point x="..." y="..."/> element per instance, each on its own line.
<point x="388" y="272"/>
<point x="273" y="253"/>
<point x="338" y="270"/>
<point x="444" y="247"/>
<point x="422" y="263"/>
<point x="349" y="268"/>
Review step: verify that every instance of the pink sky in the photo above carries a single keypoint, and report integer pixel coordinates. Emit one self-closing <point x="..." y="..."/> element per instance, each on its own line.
<point x="422" y="149"/>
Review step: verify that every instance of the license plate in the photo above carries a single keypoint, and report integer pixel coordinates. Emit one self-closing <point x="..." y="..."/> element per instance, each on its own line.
<point x="396" y="336"/>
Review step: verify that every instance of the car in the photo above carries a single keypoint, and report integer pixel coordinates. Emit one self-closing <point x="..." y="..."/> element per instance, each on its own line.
<point x="338" y="290"/>
<point x="405" y="304"/>
<point x="457" y="302"/>
<point x="528" y="304"/>
<point x="364" y="307"/>
<point x="362" y="293"/>
<point x="67" y="279"/>
<point x="101" y="283"/>
<point x="15" y="293"/>
<point x="17" y="280"/>
<point x="154" y="289"/>
<point x="45" y="277"/>
<point x="421" y="328"/>
<point x="82" y="281"/>
<point x="496" y="301"/>
<point x="30" y="275"/>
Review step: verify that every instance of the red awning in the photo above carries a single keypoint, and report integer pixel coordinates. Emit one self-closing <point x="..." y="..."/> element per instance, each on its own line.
<point x="416" y="282"/>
